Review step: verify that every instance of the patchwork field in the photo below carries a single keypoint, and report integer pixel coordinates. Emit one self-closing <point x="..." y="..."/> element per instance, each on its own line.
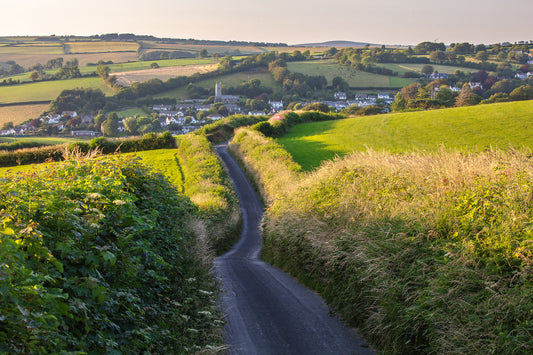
<point x="355" y="78"/>
<point x="20" y="113"/>
<point x="466" y="129"/>
<point x="128" y="77"/>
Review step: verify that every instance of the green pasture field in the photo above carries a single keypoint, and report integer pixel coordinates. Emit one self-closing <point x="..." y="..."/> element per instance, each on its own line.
<point x="403" y="68"/>
<point x="48" y="90"/>
<point x="234" y="80"/>
<point x="131" y="112"/>
<point x="473" y="128"/>
<point x="355" y="78"/>
<point x="163" y="161"/>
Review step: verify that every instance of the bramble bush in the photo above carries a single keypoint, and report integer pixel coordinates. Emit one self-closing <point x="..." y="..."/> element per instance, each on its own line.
<point x="96" y="257"/>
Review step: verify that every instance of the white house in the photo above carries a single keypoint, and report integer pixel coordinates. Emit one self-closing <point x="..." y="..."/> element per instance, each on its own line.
<point x="340" y="95"/>
<point x="276" y="105"/>
<point x="256" y="113"/>
<point x="53" y="118"/>
<point x="214" y="117"/>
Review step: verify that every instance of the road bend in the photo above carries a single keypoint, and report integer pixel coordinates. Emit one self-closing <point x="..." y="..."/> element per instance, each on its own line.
<point x="267" y="311"/>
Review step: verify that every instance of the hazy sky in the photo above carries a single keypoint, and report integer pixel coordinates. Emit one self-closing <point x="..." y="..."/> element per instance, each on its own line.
<point x="288" y="21"/>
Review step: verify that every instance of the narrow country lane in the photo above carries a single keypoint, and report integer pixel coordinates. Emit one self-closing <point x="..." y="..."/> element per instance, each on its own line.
<point x="267" y="311"/>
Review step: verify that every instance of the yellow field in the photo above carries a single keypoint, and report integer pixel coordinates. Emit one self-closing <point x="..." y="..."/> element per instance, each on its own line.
<point x="19" y="114"/>
<point x="100" y="47"/>
<point x="127" y="78"/>
<point x="32" y="48"/>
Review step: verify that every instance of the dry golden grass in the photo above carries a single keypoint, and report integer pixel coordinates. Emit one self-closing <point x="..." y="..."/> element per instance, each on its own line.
<point x="19" y="114"/>
<point x="100" y="47"/>
<point x="127" y="78"/>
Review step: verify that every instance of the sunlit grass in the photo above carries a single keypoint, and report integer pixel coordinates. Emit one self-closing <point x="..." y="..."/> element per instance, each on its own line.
<point x="473" y="128"/>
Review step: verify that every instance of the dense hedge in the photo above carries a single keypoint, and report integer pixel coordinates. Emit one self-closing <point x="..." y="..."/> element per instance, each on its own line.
<point x="279" y="124"/>
<point x="222" y="130"/>
<point x="149" y="141"/>
<point x="10" y="147"/>
<point x="96" y="258"/>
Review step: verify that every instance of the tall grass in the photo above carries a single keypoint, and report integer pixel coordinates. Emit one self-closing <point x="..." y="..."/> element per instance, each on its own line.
<point x="425" y="253"/>
<point x="208" y="186"/>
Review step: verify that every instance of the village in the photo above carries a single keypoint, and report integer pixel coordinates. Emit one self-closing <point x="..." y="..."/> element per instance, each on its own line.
<point x="185" y="116"/>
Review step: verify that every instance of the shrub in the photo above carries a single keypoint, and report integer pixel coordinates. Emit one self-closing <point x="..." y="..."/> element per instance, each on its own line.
<point x="96" y="258"/>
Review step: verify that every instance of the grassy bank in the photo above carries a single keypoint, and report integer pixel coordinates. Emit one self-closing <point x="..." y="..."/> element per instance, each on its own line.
<point x="425" y="253"/>
<point x="197" y="173"/>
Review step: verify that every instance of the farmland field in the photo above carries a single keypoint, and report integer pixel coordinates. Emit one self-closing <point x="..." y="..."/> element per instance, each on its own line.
<point x="131" y="112"/>
<point x="32" y="48"/>
<point x="234" y="80"/>
<point x="128" y="77"/>
<point x="100" y="47"/>
<point x="48" y="90"/>
<point x="27" y="59"/>
<point x="355" y="78"/>
<point x="473" y="128"/>
<point x="20" y="113"/>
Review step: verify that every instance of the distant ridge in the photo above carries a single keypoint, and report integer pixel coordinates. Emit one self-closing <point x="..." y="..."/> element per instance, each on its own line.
<point x="334" y="44"/>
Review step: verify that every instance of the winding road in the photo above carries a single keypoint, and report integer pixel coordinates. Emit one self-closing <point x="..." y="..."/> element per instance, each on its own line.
<point x="267" y="311"/>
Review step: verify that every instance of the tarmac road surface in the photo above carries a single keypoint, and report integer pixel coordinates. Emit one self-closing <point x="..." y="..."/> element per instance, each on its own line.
<point x="268" y="311"/>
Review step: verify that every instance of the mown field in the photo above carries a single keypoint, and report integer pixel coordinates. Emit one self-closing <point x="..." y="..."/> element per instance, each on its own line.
<point x="20" y="113"/>
<point x="128" y="77"/>
<point x="48" y="90"/>
<point x="473" y="128"/>
<point x="355" y="78"/>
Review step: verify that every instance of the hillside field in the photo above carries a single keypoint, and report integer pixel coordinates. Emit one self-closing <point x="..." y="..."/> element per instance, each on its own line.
<point x="234" y="80"/>
<point x="128" y="77"/>
<point x="473" y="128"/>
<point x="20" y="113"/>
<point x="355" y="78"/>
<point x="48" y="90"/>
<point x="411" y="67"/>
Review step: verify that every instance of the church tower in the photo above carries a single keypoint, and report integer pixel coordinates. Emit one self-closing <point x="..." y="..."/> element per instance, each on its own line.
<point x="218" y="91"/>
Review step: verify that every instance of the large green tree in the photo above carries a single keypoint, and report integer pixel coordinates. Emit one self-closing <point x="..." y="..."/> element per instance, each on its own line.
<point x="110" y="126"/>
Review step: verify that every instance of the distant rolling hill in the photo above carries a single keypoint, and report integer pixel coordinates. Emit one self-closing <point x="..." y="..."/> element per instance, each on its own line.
<point x="335" y="44"/>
